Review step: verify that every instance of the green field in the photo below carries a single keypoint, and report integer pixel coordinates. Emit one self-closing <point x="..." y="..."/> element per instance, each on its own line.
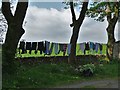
<point x="61" y="53"/>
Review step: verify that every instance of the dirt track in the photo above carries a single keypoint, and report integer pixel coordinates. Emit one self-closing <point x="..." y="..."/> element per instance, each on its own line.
<point x="108" y="83"/>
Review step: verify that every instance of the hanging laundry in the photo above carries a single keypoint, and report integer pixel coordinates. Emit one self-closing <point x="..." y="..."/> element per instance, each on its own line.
<point x="28" y="46"/>
<point x="34" y="47"/>
<point x="100" y="46"/>
<point x="61" y="48"/>
<point x="86" y="47"/>
<point x="82" y="47"/>
<point x="56" y="48"/>
<point x="22" y="46"/>
<point x="69" y="49"/>
<point x="96" y="47"/>
<point x="41" y="47"/>
<point x="51" y="48"/>
<point x="91" y="47"/>
<point x="64" y="49"/>
<point x="47" y="44"/>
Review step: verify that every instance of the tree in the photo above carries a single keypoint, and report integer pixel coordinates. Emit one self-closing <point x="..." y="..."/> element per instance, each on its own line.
<point x="76" y="24"/>
<point x="14" y="33"/>
<point x="98" y="12"/>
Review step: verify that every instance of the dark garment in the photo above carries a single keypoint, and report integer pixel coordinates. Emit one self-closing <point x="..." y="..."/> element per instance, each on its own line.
<point x="29" y="46"/>
<point x="100" y="46"/>
<point x="64" y="49"/>
<point x="41" y="47"/>
<point x="84" y="52"/>
<point x="87" y="46"/>
<point x="22" y="46"/>
<point x="93" y="46"/>
<point x="34" y="47"/>
<point x="61" y="48"/>
<point x="51" y="48"/>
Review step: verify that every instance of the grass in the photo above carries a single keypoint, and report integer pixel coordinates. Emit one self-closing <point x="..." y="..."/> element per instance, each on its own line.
<point x="51" y="75"/>
<point x="61" y="54"/>
<point x="44" y="75"/>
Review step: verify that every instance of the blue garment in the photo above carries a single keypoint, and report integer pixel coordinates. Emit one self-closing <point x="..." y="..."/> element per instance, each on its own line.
<point x="96" y="47"/>
<point x="69" y="49"/>
<point x="91" y="45"/>
<point x="56" y="48"/>
<point x="82" y="47"/>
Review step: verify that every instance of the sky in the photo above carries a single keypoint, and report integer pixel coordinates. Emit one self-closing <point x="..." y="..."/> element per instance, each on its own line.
<point x="49" y="21"/>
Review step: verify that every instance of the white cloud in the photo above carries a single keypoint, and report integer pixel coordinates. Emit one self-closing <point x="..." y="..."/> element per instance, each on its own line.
<point x="44" y="24"/>
<point x="92" y="30"/>
<point x="53" y="25"/>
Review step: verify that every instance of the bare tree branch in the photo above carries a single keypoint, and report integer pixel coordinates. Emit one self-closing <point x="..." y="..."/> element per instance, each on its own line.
<point x="6" y="10"/>
<point x="21" y="11"/>
<point x="83" y="11"/>
<point x="72" y="11"/>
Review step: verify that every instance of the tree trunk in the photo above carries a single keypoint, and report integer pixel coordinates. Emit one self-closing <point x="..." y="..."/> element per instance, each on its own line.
<point x="111" y="38"/>
<point x="14" y="33"/>
<point x="110" y="43"/>
<point x="73" y="41"/>
<point x="9" y="48"/>
<point x="76" y="27"/>
<point x="110" y="31"/>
